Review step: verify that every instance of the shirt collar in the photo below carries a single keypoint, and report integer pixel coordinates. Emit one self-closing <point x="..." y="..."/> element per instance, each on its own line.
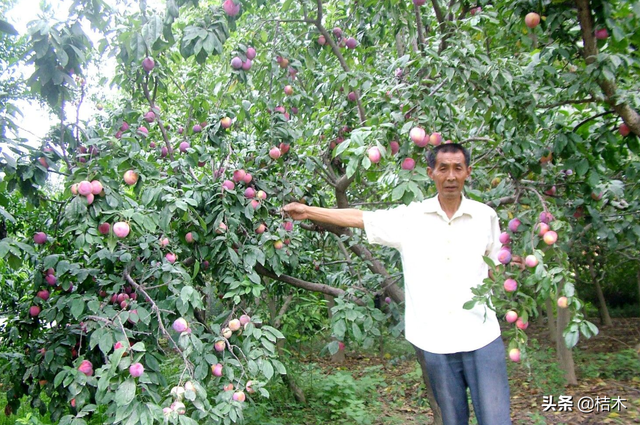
<point x="432" y="205"/>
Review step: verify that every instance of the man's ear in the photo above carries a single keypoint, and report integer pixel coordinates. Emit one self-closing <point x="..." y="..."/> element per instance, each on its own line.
<point x="468" y="172"/>
<point x="430" y="172"/>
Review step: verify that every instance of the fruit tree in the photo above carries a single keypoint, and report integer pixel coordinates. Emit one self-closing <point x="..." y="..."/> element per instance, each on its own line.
<point x="159" y="238"/>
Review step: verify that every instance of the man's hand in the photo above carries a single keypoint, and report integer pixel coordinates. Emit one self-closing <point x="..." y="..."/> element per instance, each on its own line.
<point x="296" y="211"/>
<point x="343" y="217"/>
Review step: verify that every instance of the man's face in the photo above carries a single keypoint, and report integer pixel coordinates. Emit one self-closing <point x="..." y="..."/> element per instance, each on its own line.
<point x="449" y="174"/>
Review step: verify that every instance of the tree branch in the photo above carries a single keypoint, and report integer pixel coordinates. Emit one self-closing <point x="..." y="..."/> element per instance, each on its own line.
<point x="567" y="102"/>
<point x="156" y="310"/>
<point x="309" y="286"/>
<point x="580" y="124"/>
<point x="421" y="37"/>
<point x="629" y="115"/>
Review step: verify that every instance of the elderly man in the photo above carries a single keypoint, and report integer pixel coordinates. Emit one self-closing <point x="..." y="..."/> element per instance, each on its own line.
<point x="442" y="241"/>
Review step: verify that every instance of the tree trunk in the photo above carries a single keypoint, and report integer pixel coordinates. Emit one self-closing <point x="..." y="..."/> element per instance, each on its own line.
<point x="565" y="355"/>
<point x="381" y="346"/>
<point x="298" y="394"/>
<point x="437" y="415"/>
<point x="605" y="318"/>
<point x="338" y="357"/>
<point x="276" y="316"/>
<point x="551" y="321"/>
<point x="638" y="279"/>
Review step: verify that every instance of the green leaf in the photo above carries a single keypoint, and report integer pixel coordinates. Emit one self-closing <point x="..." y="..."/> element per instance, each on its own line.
<point x="185" y="420"/>
<point x="4" y="212"/>
<point x="489" y="261"/>
<point x="152" y="30"/>
<point x="339" y="329"/>
<point x="357" y="333"/>
<point x="333" y="347"/>
<point x="59" y="378"/>
<point x="571" y="338"/>
<point x="398" y="191"/>
<point x="267" y="369"/>
<point x="138" y="346"/>
<point x="126" y="392"/>
<point x="7" y="28"/>
<point x="279" y="367"/>
<point x="593" y="329"/>
<point x="77" y="307"/>
<point x="469" y="304"/>
<point x="106" y="342"/>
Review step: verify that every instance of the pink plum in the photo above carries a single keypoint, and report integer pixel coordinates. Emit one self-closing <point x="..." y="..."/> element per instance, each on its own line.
<point x="504" y="256"/>
<point x="40" y="238"/>
<point x="180" y="325"/>
<point x="136" y="370"/>
<point x="514" y="355"/>
<point x="121" y="229"/>
<point x="550" y="237"/>
<point x="86" y="367"/>
<point x="374" y="154"/>
<point x="148" y="64"/>
<point x="511" y="316"/>
<point x="514" y="224"/>
<point x="408" y="164"/>
<point x="531" y="260"/>
<point x="510" y="285"/>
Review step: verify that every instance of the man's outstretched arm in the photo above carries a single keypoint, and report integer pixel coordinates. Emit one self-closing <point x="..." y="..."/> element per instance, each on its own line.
<point x="343" y="217"/>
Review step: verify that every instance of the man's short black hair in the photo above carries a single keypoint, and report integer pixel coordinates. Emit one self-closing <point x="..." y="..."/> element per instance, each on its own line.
<point x="447" y="148"/>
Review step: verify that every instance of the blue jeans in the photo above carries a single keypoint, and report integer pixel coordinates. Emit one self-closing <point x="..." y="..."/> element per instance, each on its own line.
<point x="484" y="372"/>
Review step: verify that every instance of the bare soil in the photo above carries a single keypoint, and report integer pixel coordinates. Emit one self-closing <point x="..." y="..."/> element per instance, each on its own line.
<point x="590" y="402"/>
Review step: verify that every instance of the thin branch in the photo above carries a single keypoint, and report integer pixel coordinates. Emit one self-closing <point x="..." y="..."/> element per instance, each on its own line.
<point x="163" y="130"/>
<point x="421" y="37"/>
<point x="283" y="309"/>
<point x="568" y="102"/>
<point x="438" y="11"/>
<point x="156" y="309"/>
<point x="438" y="87"/>
<point x="502" y="201"/>
<point x="580" y="124"/>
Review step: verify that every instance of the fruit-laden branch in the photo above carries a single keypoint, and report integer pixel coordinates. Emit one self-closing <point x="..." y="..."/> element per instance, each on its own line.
<point x="156" y="310"/>
<point x="389" y="285"/>
<point x="629" y="115"/>
<point x="63" y="148"/>
<point x="110" y="322"/>
<point x="163" y="130"/>
<point x="336" y="51"/>
<point x="303" y="284"/>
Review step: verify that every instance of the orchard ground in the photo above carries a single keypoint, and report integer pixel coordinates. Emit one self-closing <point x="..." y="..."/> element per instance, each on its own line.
<point x="607" y="365"/>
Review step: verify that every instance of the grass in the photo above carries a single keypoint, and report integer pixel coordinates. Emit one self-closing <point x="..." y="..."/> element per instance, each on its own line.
<point x="357" y="393"/>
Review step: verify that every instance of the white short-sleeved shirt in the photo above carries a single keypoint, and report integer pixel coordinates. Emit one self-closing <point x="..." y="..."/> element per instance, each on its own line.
<point x="442" y="261"/>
